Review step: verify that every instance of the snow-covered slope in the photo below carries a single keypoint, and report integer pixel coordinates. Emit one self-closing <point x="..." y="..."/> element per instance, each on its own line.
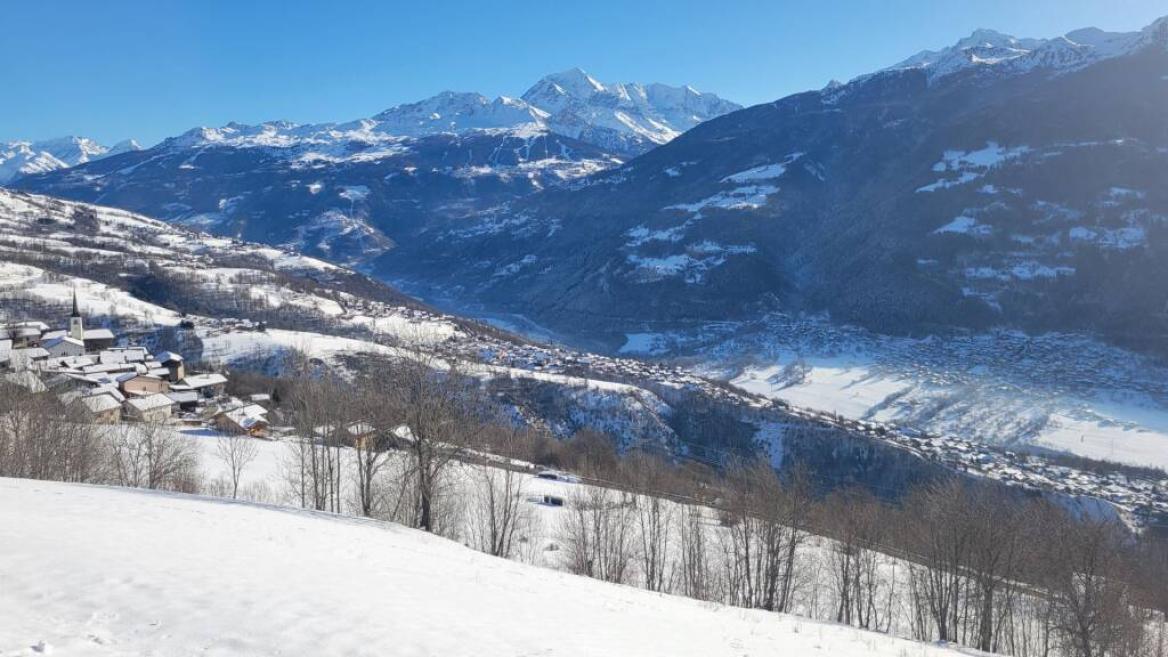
<point x="18" y="158"/>
<point x="101" y="571"/>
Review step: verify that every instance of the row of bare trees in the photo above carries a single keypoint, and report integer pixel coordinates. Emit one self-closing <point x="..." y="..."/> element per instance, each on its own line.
<point x="954" y="561"/>
<point x="43" y="438"/>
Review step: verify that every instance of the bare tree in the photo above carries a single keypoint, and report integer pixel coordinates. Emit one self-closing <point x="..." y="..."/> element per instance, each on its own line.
<point x="152" y="455"/>
<point x="443" y="414"/>
<point x="597" y="534"/>
<point x="236" y="452"/>
<point x="40" y="438"/>
<point x="693" y="561"/>
<point x="648" y="475"/>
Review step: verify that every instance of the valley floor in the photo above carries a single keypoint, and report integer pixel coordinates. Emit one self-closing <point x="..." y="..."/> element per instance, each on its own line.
<point x="1066" y="392"/>
<point x="89" y="570"/>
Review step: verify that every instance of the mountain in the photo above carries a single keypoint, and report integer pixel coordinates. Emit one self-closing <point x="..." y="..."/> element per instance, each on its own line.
<point x="352" y="191"/>
<point x="1001" y="53"/>
<point x="906" y="201"/>
<point x="623" y="118"/>
<point x="19" y="158"/>
<point x="1001" y="182"/>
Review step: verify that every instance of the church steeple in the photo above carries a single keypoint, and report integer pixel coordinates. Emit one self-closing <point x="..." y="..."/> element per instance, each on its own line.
<point x="76" y="326"/>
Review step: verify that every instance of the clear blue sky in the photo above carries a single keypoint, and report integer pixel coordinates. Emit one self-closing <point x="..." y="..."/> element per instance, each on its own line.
<point x="152" y="68"/>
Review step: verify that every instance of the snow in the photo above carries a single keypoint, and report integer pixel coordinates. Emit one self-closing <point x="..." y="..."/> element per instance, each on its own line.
<point x="641" y="344"/>
<point x="20" y="158"/>
<point x="972" y="165"/>
<point x="1007" y="55"/>
<point x="95" y="571"/>
<point x="763" y="172"/>
<point x="749" y="197"/>
<point x="965" y="225"/>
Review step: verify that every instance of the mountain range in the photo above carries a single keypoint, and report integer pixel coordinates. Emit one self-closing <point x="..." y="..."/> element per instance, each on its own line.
<point x="20" y="158"/>
<point x="998" y="182"/>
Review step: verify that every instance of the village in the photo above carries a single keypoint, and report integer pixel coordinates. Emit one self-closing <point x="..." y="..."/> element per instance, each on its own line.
<point x="127" y="383"/>
<point x="109" y="384"/>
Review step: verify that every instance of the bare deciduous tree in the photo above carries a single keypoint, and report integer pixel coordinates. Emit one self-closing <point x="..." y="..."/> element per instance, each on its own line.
<point x="236" y="452"/>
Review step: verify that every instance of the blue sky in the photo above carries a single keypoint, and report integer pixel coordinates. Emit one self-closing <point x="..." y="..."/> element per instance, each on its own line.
<point x="152" y="68"/>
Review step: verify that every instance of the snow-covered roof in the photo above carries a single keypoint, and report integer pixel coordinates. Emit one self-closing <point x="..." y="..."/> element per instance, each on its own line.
<point x="183" y="396"/>
<point x="100" y="403"/>
<point x="150" y="402"/>
<point x="128" y="376"/>
<point x="168" y="357"/>
<point x="110" y="390"/>
<point x="203" y="380"/>
<point x="99" y="334"/>
<point x="108" y="367"/>
<point x="49" y="344"/>
<point x="247" y="416"/>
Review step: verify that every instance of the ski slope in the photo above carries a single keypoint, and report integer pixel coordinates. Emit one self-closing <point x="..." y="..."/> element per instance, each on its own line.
<point x="88" y="570"/>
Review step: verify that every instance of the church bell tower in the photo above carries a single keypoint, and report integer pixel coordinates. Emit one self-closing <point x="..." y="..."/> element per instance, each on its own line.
<point x="76" y="326"/>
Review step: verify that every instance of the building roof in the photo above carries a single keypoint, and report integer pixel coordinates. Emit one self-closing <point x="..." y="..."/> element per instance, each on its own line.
<point x="168" y="357"/>
<point x="183" y="396"/>
<point x="128" y="376"/>
<point x="150" y="402"/>
<point x="248" y="416"/>
<point x="204" y="380"/>
<point x="64" y="339"/>
<point x="99" y="334"/>
<point x="110" y="390"/>
<point x="100" y="403"/>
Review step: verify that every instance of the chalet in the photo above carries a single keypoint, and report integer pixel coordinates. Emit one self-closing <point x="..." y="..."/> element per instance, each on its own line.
<point x="64" y="347"/>
<point x="357" y="434"/>
<point x="152" y="408"/>
<point x="122" y="355"/>
<point x="207" y="385"/>
<point x="98" y="339"/>
<point x="174" y="365"/>
<point x="103" y="408"/>
<point x="24" y="334"/>
<point x="250" y="420"/>
<point x="133" y="383"/>
<point x="186" y="400"/>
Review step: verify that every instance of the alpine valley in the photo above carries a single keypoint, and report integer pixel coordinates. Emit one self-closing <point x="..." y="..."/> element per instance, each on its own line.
<point x="970" y="242"/>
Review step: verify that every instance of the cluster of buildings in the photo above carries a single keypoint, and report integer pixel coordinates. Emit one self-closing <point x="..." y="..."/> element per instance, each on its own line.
<point x="109" y="383"/>
<point x="1141" y="500"/>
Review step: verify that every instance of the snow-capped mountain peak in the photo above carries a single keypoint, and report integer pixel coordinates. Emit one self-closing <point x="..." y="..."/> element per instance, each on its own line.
<point x="455" y="112"/>
<point x="625" y="117"/>
<point x="18" y="158"/>
<point x="1011" y="55"/>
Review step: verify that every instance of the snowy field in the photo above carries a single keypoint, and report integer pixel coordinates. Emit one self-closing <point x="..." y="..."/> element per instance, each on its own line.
<point x="94" y="571"/>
